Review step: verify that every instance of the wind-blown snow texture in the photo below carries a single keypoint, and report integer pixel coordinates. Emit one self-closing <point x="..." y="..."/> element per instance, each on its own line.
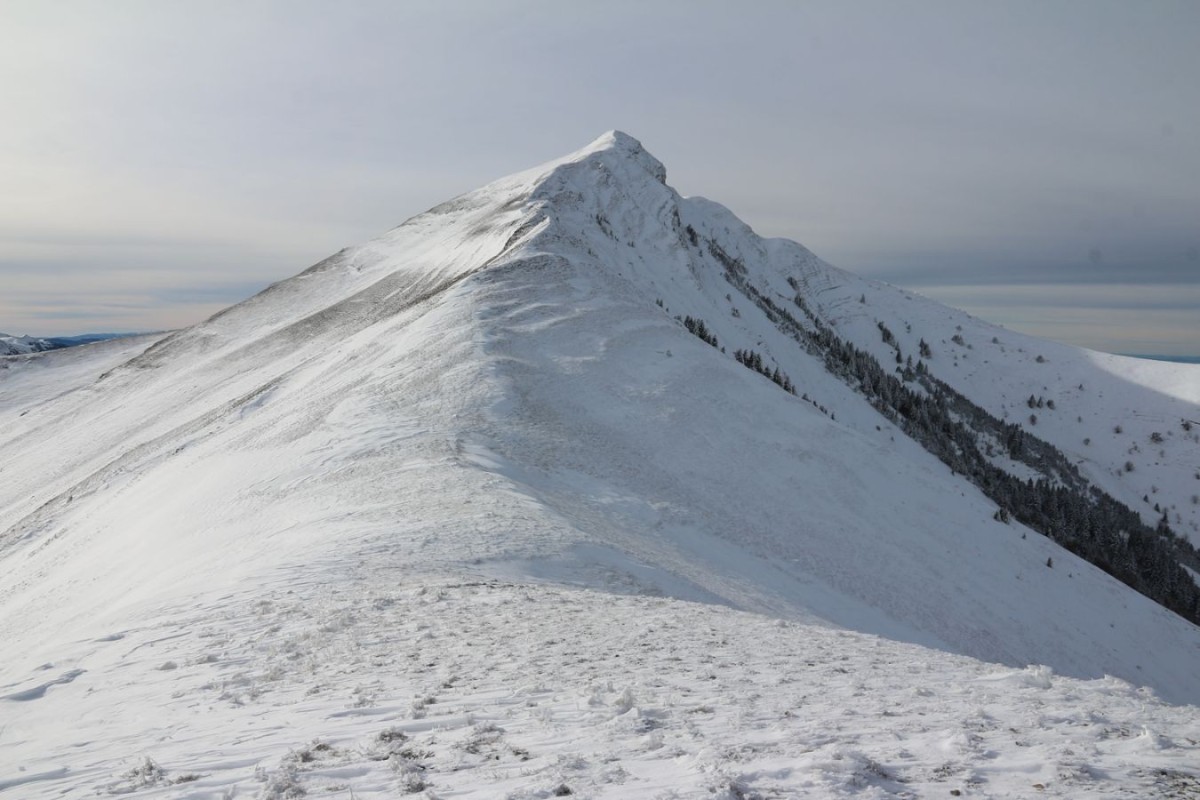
<point x="428" y="517"/>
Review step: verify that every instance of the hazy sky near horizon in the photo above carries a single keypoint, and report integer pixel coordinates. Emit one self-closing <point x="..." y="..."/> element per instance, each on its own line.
<point x="1035" y="163"/>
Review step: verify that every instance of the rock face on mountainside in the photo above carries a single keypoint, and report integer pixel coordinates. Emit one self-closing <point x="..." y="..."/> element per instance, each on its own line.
<point x="574" y="376"/>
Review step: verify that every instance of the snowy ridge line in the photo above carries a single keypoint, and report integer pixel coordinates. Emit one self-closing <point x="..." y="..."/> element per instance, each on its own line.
<point x="408" y="295"/>
<point x="400" y="292"/>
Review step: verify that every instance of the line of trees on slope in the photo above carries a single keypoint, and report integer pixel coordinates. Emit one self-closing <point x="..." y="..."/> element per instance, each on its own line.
<point x="747" y="358"/>
<point x="754" y="361"/>
<point x="1060" y="503"/>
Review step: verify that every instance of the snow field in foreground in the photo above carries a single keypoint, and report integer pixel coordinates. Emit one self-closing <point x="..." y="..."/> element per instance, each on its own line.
<point x="394" y="685"/>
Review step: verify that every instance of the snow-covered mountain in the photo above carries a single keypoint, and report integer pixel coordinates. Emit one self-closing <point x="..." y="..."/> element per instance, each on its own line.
<point x="24" y="345"/>
<point x="18" y="345"/>
<point x="493" y="506"/>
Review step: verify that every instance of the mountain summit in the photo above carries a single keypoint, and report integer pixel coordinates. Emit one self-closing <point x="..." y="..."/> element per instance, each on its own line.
<point x="576" y="389"/>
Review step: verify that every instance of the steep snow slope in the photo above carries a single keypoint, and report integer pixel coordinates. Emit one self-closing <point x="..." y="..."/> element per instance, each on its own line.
<point x="1104" y="411"/>
<point x="28" y="380"/>
<point x="492" y="390"/>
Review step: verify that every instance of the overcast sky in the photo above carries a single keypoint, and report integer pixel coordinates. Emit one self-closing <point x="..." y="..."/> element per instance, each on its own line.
<point x="1037" y="164"/>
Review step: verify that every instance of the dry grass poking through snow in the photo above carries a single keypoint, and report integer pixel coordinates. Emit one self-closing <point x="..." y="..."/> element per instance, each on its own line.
<point x="496" y="690"/>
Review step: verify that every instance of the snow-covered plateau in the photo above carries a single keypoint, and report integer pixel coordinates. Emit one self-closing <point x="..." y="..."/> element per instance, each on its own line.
<point x="491" y="506"/>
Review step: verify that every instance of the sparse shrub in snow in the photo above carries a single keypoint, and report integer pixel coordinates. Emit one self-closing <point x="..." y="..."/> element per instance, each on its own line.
<point x="392" y="736"/>
<point x="420" y="703"/>
<point x="411" y="775"/>
<point x="146" y="774"/>
<point x="735" y="790"/>
<point x="313" y="752"/>
<point x="1036" y="676"/>
<point x="624" y="701"/>
<point x="482" y="737"/>
<point x="386" y="744"/>
<point x="283" y="784"/>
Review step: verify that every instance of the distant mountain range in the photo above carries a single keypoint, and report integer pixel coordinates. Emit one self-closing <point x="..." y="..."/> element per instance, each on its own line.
<point x="20" y="345"/>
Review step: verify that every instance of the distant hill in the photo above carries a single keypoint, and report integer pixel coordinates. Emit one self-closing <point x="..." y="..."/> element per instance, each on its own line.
<point x="21" y="345"/>
<point x="1175" y="359"/>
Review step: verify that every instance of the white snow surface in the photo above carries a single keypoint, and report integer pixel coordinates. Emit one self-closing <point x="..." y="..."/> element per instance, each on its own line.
<point x="465" y="512"/>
